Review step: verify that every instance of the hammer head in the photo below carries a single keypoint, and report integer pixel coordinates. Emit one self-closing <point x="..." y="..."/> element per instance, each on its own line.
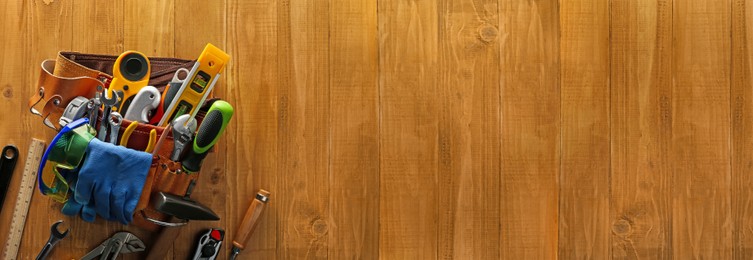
<point x="182" y="208"/>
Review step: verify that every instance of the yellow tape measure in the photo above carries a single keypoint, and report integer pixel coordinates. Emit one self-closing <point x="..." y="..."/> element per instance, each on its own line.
<point x="198" y="84"/>
<point x="21" y="208"/>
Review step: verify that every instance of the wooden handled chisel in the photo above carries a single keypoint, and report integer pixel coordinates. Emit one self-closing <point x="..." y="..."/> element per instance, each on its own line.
<point x="249" y="222"/>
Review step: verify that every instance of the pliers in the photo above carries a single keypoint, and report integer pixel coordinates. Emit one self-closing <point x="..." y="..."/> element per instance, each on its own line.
<point x="129" y="130"/>
<point x="121" y="242"/>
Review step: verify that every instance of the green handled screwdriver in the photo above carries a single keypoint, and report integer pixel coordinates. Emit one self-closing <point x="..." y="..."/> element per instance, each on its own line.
<point x="210" y="130"/>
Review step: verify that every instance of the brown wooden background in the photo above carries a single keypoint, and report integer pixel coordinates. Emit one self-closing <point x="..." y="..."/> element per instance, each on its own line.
<point x="424" y="129"/>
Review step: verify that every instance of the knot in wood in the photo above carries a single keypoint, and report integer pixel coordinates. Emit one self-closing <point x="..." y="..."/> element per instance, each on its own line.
<point x="319" y="227"/>
<point x="487" y="33"/>
<point x="622" y="227"/>
<point x="8" y="91"/>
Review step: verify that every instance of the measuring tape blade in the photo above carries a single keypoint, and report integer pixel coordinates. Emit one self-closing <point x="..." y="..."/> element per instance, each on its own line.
<point x="21" y="209"/>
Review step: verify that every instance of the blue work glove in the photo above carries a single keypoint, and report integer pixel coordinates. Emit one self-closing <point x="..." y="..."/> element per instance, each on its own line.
<point x="72" y="207"/>
<point x="110" y="181"/>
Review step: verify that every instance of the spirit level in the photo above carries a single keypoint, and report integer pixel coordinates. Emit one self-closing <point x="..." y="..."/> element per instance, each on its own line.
<point x="197" y="86"/>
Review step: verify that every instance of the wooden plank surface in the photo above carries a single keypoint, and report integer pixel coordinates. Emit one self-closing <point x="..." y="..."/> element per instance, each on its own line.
<point x="701" y="219"/>
<point x="641" y="124"/>
<point x="304" y="127"/>
<point x="584" y="178"/>
<point x="482" y="129"/>
<point x="15" y="78"/>
<point x="354" y="134"/>
<point x="468" y="102"/>
<point x="530" y="136"/>
<point x="150" y="29"/>
<point x="253" y="78"/>
<point x="742" y="126"/>
<point x="408" y="141"/>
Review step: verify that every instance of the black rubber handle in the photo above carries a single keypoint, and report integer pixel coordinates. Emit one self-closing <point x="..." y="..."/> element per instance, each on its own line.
<point x="7" y="164"/>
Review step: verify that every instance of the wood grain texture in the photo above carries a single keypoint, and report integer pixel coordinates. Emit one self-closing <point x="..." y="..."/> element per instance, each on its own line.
<point x="408" y="129"/>
<point x="14" y="79"/>
<point x="102" y="24"/>
<point x="303" y="139"/>
<point x="253" y="78"/>
<point x="701" y="222"/>
<point x="530" y="104"/>
<point x="467" y="129"/>
<point x="354" y="134"/>
<point x="742" y="126"/>
<point x="149" y="26"/>
<point x="468" y="163"/>
<point x="584" y="176"/>
<point x="641" y="129"/>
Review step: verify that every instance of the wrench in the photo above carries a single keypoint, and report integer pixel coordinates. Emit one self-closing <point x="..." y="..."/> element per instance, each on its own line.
<point x="115" y="119"/>
<point x="55" y="237"/>
<point x="184" y="127"/>
<point x="109" y="103"/>
<point x="93" y="107"/>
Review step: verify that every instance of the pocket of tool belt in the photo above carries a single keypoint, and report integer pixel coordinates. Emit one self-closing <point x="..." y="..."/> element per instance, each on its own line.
<point x="164" y="175"/>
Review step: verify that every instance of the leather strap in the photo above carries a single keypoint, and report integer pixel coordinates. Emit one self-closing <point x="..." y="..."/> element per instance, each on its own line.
<point x="74" y="74"/>
<point x="101" y="65"/>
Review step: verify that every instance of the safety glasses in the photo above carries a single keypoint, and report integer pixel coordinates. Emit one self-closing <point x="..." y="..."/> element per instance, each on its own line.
<point x="65" y="153"/>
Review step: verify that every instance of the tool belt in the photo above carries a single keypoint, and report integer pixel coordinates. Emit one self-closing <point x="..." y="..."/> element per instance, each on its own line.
<point x="74" y="74"/>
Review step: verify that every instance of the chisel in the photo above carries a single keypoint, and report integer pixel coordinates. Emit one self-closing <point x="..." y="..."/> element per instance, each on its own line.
<point x="249" y="222"/>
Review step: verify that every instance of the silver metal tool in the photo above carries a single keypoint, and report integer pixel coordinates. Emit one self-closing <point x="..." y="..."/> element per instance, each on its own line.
<point x="55" y="237"/>
<point x="108" y="103"/>
<point x="115" y="119"/>
<point x="146" y="100"/>
<point x="184" y="128"/>
<point x="121" y="242"/>
<point x="74" y="110"/>
<point x="93" y="107"/>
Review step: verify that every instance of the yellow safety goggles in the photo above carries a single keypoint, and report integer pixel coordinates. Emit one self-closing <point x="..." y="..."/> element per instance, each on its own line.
<point x="65" y="153"/>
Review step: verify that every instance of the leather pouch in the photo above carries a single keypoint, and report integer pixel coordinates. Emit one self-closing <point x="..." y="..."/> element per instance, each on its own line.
<point x="75" y="74"/>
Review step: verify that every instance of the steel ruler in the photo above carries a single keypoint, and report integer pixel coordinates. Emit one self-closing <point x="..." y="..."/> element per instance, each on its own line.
<point x="21" y="208"/>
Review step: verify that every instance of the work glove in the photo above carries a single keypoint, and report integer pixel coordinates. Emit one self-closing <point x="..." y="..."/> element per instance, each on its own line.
<point x="110" y="182"/>
<point x="72" y="207"/>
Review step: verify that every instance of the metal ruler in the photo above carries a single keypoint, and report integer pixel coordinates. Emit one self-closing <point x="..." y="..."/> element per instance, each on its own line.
<point x="21" y="209"/>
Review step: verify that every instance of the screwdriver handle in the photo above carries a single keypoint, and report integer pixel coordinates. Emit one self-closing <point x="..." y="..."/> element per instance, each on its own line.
<point x="251" y="219"/>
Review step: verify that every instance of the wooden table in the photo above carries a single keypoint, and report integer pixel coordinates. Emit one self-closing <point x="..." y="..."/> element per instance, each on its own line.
<point x="426" y="129"/>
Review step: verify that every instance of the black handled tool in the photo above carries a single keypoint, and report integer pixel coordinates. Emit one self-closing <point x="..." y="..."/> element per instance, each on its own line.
<point x="7" y="165"/>
<point x="209" y="245"/>
<point x="210" y="130"/>
<point x="55" y="237"/>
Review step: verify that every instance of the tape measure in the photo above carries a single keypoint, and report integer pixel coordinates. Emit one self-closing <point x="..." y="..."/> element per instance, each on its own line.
<point x="21" y="209"/>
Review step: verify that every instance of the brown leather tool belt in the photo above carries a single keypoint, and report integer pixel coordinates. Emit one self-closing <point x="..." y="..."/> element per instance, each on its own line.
<point x="74" y="74"/>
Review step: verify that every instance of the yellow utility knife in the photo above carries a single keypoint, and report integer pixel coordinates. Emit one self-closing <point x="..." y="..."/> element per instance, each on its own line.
<point x="197" y="85"/>
<point x="130" y="73"/>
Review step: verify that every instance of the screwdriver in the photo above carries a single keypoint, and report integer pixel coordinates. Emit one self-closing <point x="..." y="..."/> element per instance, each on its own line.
<point x="210" y="130"/>
<point x="250" y="220"/>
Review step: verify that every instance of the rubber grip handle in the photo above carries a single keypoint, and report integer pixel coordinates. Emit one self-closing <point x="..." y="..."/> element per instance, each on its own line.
<point x="209" y="132"/>
<point x="251" y="219"/>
